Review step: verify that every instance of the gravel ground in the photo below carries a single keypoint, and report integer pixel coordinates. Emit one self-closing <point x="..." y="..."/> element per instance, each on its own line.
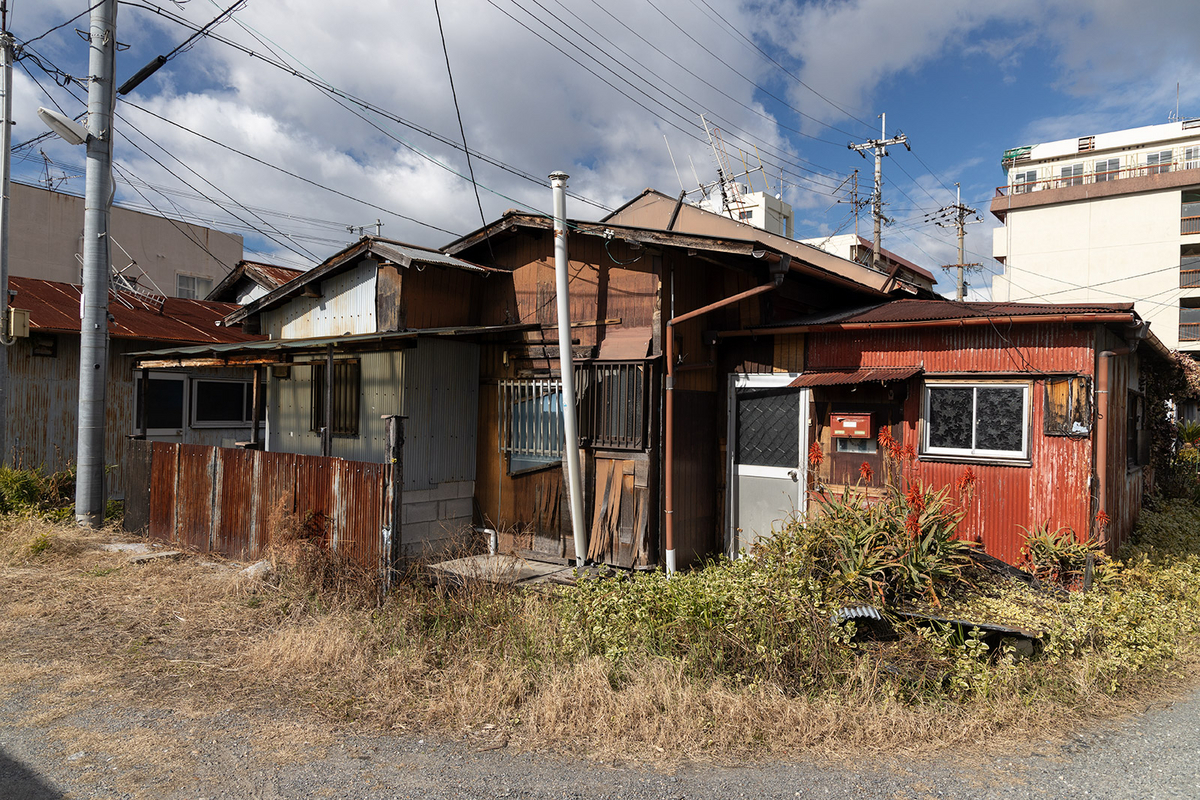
<point x="68" y="746"/>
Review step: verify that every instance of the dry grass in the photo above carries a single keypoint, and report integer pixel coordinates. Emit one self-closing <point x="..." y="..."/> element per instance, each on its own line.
<point x="482" y="663"/>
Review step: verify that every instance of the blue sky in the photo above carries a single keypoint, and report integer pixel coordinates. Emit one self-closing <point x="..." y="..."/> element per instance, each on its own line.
<point x="963" y="80"/>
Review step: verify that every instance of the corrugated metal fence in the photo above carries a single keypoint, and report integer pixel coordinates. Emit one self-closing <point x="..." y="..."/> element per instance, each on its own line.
<point x="233" y="502"/>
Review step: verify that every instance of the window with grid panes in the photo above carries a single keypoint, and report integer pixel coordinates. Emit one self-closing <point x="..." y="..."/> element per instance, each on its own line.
<point x="976" y="420"/>
<point x="347" y="391"/>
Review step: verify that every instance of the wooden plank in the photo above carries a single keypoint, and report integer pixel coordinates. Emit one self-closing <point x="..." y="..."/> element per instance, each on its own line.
<point x="604" y="476"/>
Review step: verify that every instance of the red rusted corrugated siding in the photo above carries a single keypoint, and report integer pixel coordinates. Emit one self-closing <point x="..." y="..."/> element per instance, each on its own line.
<point x="194" y="518"/>
<point x="1006" y="498"/>
<point x="234" y="518"/>
<point x="163" y="470"/>
<point x="256" y="492"/>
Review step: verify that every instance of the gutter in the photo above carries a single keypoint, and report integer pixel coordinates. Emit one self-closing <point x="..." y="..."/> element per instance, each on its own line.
<point x="778" y="270"/>
<point x="929" y="323"/>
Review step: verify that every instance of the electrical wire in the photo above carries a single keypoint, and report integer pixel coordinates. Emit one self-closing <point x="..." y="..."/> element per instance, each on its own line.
<point x="462" y="130"/>
<point x="89" y="10"/>
<point x="783" y="69"/>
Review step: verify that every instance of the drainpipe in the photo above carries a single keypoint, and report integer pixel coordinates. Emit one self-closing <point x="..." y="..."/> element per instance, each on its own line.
<point x="778" y="271"/>
<point x="558" y="181"/>
<point x="1102" y="405"/>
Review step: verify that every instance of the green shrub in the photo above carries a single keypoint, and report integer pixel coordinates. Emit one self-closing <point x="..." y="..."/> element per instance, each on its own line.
<point x="24" y="491"/>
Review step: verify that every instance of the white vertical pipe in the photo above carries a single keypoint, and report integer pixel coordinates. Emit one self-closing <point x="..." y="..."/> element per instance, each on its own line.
<point x="558" y="181"/>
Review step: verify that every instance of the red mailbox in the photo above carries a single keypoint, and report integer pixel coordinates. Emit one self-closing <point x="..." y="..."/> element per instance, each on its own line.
<point x="851" y="426"/>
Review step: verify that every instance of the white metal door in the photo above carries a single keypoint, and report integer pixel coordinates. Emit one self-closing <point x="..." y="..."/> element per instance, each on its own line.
<point x="768" y="446"/>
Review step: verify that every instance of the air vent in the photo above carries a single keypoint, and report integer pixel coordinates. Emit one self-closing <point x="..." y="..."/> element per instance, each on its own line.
<point x="1087" y="143"/>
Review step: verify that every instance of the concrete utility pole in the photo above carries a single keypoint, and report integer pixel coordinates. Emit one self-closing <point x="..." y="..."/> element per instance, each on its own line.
<point x="6" y="59"/>
<point x="959" y="214"/>
<point x="93" y="342"/>
<point x="880" y="147"/>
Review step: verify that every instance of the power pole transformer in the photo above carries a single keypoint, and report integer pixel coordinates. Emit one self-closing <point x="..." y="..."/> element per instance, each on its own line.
<point x="880" y="146"/>
<point x="957" y="217"/>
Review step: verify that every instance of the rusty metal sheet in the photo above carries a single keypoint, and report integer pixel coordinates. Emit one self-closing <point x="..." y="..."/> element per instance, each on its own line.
<point x="195" y="482"/>
<point x="845" y="377"/>
<point x="163" y="468"/>
<point x="233" y="510"/>
<point x="54" y="307"/>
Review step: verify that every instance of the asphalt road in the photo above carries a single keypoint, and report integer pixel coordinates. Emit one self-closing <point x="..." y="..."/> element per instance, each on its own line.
<point x="91" y="749"/>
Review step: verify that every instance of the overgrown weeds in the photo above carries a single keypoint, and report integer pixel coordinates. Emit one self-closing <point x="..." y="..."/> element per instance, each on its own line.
<point x="741" y="657"/>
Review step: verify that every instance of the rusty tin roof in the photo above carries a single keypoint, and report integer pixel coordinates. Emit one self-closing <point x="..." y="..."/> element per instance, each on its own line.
<point x="54" y="308"/>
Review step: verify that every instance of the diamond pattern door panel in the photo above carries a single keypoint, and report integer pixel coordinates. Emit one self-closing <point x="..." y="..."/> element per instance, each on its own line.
<point x="768" y="428"/>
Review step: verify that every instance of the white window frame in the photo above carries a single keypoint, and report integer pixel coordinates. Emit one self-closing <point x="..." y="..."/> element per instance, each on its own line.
<point x="974" y="453"/>
<point x="1158" y="166"/>
<point x="247" y="386"/>
<point x="1191" y="157"/>
<point x="184" y="412"/>
<point x="1102" y="171"/>
<point x="193" y="277"/>
<point x="1071" y="175"/>
<point x="1023" y="183"/>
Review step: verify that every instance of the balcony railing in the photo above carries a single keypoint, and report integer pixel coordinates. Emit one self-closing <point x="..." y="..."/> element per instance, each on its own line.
<point x="1189" y="278"/>
<point x="1189" y="331"/>
<point x="1058" y="182"/>
<point x="1189" y="225"/>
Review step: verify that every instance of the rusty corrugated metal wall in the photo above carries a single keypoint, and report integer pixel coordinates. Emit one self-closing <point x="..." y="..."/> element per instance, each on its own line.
<point x="44" y="402"/>
<point x="1055" y="489"/>
<point x="233" y="502"/>
<point x="347" y="306"/>
<point x="435" y="384"/>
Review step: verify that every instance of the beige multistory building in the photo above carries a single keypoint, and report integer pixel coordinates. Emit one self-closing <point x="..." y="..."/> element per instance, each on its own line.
<point x="1104" y="218"/>
<point x="168" y="257"/>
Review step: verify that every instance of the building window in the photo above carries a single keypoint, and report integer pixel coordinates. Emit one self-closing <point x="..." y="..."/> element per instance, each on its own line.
<point x="347" y="391"/>
<point x="1189" y="212"/>
<point x="192" y="287"/>
<point x="1189" y="266"/>
<point x="1024" y="181"/>
<point x="1068" y="406"/>
<point x="745" y="216"/>
<point x="1137" y="443"/>
<point x="1107" y="169"/>
<point x="1189" y="319"/>
<point x="1191" y="158"/>
<point x="1158" y="162"/>
<point x="987" y="420"/>
<point x="164" y="403"/>
<point x="222" y="403"/>
<point x="613" y="397"/>
<point x="531" y="427"/>
<point x="1071" y="175"/>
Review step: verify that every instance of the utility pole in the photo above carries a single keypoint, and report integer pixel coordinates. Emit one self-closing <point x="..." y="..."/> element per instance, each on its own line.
<point x="959" y="214"/>
<point x="880" y="146"/>
<point x="93" y="345"/>
<point x="6" y="59"/>
<point x="855" y="203"/>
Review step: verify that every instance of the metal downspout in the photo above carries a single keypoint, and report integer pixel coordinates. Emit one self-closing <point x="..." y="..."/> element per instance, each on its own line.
<point x="669" y="435"/>
<point x="1102" y="431"/>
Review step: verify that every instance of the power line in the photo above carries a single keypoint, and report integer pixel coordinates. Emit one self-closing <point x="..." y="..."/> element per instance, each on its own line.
<point x="461" y="129"/>
<point x="783" y="69"/>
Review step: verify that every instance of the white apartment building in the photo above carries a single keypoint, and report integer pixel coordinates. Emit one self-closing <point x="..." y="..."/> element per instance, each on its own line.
<point x="1106" y="218"/>
<point x="762" y="210"/>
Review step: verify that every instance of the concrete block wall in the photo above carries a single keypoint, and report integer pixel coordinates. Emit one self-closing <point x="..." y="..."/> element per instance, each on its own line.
<point x="433" y="520"/>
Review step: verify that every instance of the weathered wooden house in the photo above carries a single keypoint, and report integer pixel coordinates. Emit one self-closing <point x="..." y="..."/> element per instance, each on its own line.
<point x="378" y="329"/>
<point x="202" y="406"/>
<point x="709" y="357"/>
<point x="647" y="307"/>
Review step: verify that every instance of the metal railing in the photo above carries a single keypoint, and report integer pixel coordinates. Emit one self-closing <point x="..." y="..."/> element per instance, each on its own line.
<point x="1061" y="181"/>
<point x="1189" y="278"/>
<point x="531" y="424"/>
<point x="612" y="403"/>
<point x="1189" y="331"/>
<point x="1189" y="225"/>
